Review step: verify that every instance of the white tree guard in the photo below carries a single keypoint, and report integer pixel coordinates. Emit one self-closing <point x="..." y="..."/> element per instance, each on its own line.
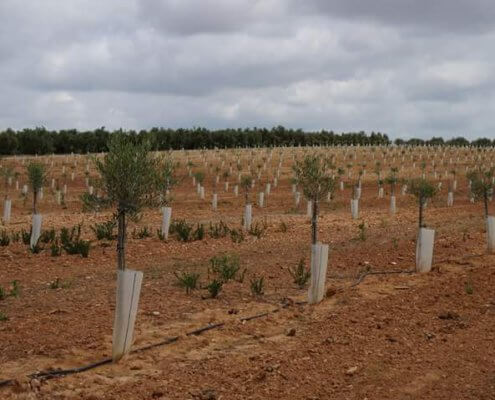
<point x="128" y="292"/>
<point x="393" y="207"/>
<point x="214" y="201"/>
<point x="7" y="208"/>
<point x="424" y="249"/>
<point x="91" y="190"/>
<point x="355" y="208"/>
<point x="297" y="198"/>
<point x="268" y="189"/>
<point x="202" y="192"/>
<point x="380" y="193"/>
<point x="261" y="199"/>
<point x="226" y="186"/>
<point x="36" y="230"/>
<point x="319" y="263"/>
<point x="490" y="233"/>
<point x="309" y="209"/>
<point x="166" y="218"/>
<point x="450" y="199"/>
<point x="248" y="216"/>
<point x="236" y="190"/>
<point x="341" y="185"/>
<point x="358" y="193"/>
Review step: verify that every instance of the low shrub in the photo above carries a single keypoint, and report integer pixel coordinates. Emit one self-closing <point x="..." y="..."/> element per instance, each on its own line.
<point x="104" y="230"/>
<point x="226" y="266"/>
<point x="214" y="288"/>
<point x="142" y="233"/>
<point x="181" y="229"/>
<point x="257" y="286"/>
<point x="237" y="235"/>
<point x="72" y="242"/>
<point x="48" y="236"/>
<point x="4" y="238"/>
<point x="26" y="237"/>
<point x="187" y="280"/>
<point x="300" y="274"/>
<point x="258" y="229"/>
<point x="218" y="230"/>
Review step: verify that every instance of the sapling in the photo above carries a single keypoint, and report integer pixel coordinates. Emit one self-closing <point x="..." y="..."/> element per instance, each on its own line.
<point x="37" y="177"/>
<point x="482" y="186"/>
<point x="131" y="181"/>
<point x="422" y="190"/>
<point x="392" y="180"/>
<point x="168" y="179"/>
<point x="310" y="174"/>
<point x="7" y="174"/>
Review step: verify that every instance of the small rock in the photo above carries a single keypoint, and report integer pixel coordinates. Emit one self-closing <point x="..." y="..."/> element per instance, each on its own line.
<point x="448" y="315"/>
<point x="351" y="371"/>
<point x="429" y="335"/>
<point x="35" y="384"/>
<point x="290" y="332"/>
<point x="155" y="313"/>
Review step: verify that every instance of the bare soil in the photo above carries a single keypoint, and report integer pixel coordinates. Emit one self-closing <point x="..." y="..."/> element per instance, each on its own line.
<point x="390" y="336"/>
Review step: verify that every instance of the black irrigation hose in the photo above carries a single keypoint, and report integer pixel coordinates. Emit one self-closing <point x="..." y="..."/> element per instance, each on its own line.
<point x="205" y="328"/>
<point x="46" y="375"/>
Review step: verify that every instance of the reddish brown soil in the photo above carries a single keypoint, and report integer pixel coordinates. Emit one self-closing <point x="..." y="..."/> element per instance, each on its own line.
<point x="396" y="336"/>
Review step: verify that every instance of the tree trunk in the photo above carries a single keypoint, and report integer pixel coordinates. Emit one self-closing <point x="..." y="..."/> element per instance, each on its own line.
<point x="121" y="236"/>
<point x="314" y="223"/>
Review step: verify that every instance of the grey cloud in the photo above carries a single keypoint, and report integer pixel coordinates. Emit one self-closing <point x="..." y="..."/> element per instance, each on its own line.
<point x="439" y="15"/>
<point x="403" y="67"/>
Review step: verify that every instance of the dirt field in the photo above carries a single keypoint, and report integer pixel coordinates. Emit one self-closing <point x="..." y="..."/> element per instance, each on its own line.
<point x="377" y="336"/>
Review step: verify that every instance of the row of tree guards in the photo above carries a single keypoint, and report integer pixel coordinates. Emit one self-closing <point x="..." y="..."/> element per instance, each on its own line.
<point x="130" y="176"/>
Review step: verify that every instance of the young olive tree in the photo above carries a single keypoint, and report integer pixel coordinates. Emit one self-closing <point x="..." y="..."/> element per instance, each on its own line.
<point x="482" y="186"/>
<point x="310" y="174"/>
<point x="7" y="174"/>
<point x="392" y="180"/>
<point x="167" y="179"/>
<point x="422" y="190"/>
<point x="130" y="179"/>
<point x="37" y="177"/>
<point x="246" y="182"/>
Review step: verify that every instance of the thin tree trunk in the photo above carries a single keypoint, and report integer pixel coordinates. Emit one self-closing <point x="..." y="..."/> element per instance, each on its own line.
<point x="314" y="222"/>
<point x="121" y="240"/>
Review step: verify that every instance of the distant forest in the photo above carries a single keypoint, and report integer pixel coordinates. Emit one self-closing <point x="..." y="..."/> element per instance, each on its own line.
<point x="42" y="141"/>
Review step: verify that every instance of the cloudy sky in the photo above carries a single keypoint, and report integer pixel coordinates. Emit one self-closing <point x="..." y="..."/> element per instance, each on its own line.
<point x="404" y="67"/>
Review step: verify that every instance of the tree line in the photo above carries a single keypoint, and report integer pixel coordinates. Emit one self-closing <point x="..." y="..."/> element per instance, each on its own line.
<point x="42" y="141"/>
